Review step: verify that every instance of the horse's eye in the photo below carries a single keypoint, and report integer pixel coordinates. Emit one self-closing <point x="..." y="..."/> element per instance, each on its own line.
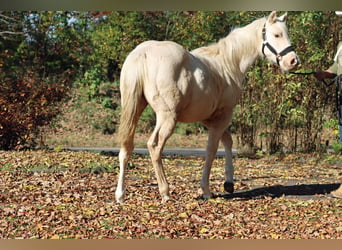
<point x="277" y="35"/>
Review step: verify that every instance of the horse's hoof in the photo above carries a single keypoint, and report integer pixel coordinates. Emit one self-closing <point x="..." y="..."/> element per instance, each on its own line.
<point x="120" y="200"/>
<point x="229" y="187"/>
<point x="120" y="197"/>
<point x="166" y="199"/>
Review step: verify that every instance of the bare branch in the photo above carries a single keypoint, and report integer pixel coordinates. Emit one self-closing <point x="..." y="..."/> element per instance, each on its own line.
<point x="7" y="19"/>
<point x="7" y="34"/>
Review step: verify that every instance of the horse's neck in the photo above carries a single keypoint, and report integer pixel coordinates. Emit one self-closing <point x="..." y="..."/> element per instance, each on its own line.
<point x="233" y="55"/>
<point x="242" y="49"/>
<point x="246" y="44"/>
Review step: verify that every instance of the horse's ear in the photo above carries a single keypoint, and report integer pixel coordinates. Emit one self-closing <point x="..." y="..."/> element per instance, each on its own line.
<point x="283" y="18"/>
<point x="272" y="17"/>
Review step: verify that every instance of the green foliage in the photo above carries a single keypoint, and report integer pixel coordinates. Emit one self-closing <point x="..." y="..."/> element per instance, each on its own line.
<point x="27" y="102"/>
<point x="73" y="49"/>
<point x="187" y="129"/>
<point x="38" y="67"/>
<point x="287" y="112"/>
<point x="92" y="80"/>
<point x="147" y="120"/>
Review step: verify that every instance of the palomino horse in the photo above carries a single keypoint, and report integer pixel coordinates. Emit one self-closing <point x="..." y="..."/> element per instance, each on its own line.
<point x="203" y="85"/>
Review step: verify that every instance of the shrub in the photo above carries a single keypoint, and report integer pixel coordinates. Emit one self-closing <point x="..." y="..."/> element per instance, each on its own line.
<point x="27" y="102"/>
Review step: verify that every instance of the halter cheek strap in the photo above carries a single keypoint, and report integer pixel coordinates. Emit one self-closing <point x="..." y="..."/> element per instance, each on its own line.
<point x="272" y="49"/>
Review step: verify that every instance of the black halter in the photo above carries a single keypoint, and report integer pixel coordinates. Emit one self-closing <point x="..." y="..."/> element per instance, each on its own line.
<point x="272" y="49"/>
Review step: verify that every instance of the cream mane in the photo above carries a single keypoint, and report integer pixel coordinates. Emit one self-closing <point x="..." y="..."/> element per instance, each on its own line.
<point x="234" y="51"/>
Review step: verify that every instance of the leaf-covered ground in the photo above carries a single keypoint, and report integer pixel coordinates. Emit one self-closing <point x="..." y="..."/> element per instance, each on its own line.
<point x="46" y="194"/>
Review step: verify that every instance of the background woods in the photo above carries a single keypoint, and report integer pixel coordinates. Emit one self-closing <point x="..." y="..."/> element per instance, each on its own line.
<point x="51" y="61"/>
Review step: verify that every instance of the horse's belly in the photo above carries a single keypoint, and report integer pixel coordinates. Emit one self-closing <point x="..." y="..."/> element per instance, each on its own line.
<point x="195" y="113"/>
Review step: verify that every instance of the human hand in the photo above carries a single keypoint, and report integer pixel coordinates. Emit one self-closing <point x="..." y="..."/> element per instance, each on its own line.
<point x="321" y="75"/>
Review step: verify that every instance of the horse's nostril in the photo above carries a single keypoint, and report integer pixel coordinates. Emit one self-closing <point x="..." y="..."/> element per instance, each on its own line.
<point x="294" y="62"/>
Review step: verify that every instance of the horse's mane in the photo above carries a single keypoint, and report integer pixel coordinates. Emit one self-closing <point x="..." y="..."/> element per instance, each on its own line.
<point x="240" y="41"/>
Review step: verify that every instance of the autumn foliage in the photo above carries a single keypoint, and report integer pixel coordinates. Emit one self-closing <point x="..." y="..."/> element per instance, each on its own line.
<point x="70" y="195"/>
<point x="39" y="63"/>
<point x="51" y="50"/>
<point x="27" y="102"/>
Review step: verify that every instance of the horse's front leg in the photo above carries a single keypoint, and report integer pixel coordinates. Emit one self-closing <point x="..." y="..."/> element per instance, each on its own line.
<point x="213" y="141"/>
<point x="227" y="142"/>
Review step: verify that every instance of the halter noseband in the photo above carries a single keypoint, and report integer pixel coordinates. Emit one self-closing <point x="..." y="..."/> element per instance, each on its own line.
<point x="272" y="49"/>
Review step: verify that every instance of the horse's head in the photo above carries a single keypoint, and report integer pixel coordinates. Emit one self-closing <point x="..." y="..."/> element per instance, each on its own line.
<point x="276" y="45"/>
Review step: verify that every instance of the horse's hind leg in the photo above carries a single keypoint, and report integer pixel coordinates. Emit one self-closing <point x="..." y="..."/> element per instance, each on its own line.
<point x="124" y="156"/>
<point x="227" y="142"/>
<point x="126" y="149"/>
<point x="166" y="123"/>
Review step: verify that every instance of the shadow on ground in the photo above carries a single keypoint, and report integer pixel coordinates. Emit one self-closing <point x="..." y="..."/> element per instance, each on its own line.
<point x="303" y="191"/>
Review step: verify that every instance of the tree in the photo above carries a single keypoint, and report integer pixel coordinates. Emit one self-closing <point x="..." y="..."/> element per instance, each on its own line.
<point x="273" y="105"/>
<point x="63" y="50"/>
<point x="39" y="66"/>
<point x="288" y="112"/>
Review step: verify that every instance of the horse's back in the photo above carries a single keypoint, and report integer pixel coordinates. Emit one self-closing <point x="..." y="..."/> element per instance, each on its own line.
<point x="174" y="80"/>
<point x="162" y="51"/>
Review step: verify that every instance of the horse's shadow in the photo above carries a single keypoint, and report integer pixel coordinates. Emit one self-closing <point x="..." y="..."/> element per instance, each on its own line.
<point x="304" y="190"/>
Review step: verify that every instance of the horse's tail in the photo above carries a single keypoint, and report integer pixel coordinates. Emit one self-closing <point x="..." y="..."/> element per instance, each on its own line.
<point x="132" y="99"/>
